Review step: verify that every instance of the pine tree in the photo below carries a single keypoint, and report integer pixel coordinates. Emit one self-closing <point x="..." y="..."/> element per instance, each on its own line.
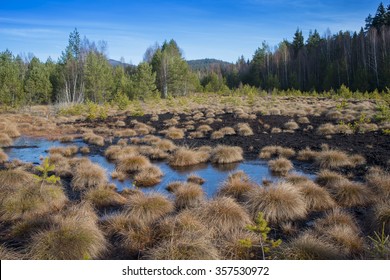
<point x="144" y="82"/>
<point x="98" y="78"/>
<point x="37" y="85"/>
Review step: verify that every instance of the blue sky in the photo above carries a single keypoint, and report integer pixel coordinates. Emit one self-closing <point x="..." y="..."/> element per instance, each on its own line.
<point x="222" y="29"/>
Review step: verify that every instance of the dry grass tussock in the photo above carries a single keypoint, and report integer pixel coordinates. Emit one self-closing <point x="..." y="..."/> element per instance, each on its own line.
<point x="85" y="150"/>
<point x="5" y="140"/>
<point x="186" y="157"/>
<point x="332" y="159"/>
<point x="3" y="156"/>
<point x="330" y="179"/>
<point x="381" y="217"/>
<point x="92" y="138"/>
<point x="103" y="196"/>
<point x="132" y="164"/>
<point x="227" y="130"/>
<point x="143" y="129"/>
<point x="347" y="239"/>
<point x="230" y="247"/>
<point x="115" y="152"/>
<point x="272" y="151"/>
<point x="88" y="175"/>
<point x="166" y="145"/>
<point x="181" y="224"/>
<point x="379" y="180"/>
<point x="309" y="246"/>
<point x="193" y="178"/>
<point x="279" y="202"/>
<point x="184" y="248"/>
<point x="66" y="139"/>
<point x="280" y="166"/>
<point x="31" y="199"/>
<point x="189" y="195"/>
<point x="148" y="177"/>
<point x="67" y="151"/>
<point x="217" y="135"/>
<point x="236" y="186"/>
<point x="7" y="254"/>
<point x="226" y="154"/>
<point x="244" y="129"/>
<point x="204" y="128"/>
<point x="147" y="208"/>
<point x="9" y="128"/>
<point x="74" y="236"/>
<point x="125" y="133"/>
<point x="174" y="186"/>
<point x="351" y="194"/>
<point x="153" y="152"/>
<point x="174" y="133"/>
<point x="336" y="217"/>
<point x="224" y="215"/>
<point x="307" y="155"/>
<point x="132" y="236"/>
<point x="14" y="179"/>
<point x="326" y="129"/>
<point x="316" y="198"/>
<point x="291" y="125"/>
<point x="61" y="165"/>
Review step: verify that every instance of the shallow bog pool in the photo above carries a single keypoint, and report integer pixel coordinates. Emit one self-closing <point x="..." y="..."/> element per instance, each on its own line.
<point x="33" y="149"/>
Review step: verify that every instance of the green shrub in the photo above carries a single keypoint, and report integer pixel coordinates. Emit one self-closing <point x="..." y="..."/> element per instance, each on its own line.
<point x="266" y="244"/>
<point x="121" y="100"/>
<point x="72" y="110"/>
<point x="45" y="168"/>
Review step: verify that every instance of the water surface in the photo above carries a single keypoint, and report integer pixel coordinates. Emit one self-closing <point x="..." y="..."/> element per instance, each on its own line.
<point x="33" y="149"/>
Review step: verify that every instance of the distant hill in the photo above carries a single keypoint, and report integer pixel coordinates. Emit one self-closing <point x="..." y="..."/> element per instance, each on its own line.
<point x="115" y="63"/>
<point x="205" y="64"/>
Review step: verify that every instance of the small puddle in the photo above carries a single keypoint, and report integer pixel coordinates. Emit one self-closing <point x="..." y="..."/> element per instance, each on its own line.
<point x="32" y="149"/>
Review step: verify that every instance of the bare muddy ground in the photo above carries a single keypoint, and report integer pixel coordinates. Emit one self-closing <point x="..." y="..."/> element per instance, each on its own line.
<point x="374" y="146"/>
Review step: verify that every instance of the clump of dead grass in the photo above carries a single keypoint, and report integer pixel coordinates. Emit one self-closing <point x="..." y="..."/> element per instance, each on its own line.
<point x="309" y="246"/>
<point x="244" y="129"/>
<point x="316" y="198"/>
<point x="189" y="195"/>
<point x="187" y="157"/>
<point x="74" y="236"/>
<point x="67" y="151"/>
<point x="332" y="159"/>
<point x="5" y="140"/>
<point x="226" y="154"/>
<point x="184" y="248"/>
<point x="279" y="202"/>
<point x="236" y="186"/>
<point x="148" y="208"/>
<point x="88" y="175"/>
<point x="280" y="166"/>
<point x="3" y="156"/>
<point x="224" y="215"/>
<point x="174" y="133"/>
<point x="103" y="196"/>
<point x="148" y="177"/>
<point x="132" y="164"/>
<point x="193" y="178"/>
<point x="9" y="128"/>
<point x="271" y="151"/>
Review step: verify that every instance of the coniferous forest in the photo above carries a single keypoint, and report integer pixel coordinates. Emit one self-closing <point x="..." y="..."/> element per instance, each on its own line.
<point x="357" y="60"/>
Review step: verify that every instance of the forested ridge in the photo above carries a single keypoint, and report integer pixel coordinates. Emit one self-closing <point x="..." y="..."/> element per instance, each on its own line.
<point x="358" y="61"/>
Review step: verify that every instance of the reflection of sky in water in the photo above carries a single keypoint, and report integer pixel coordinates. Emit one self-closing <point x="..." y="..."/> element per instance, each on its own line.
<point x="214" y="175"/>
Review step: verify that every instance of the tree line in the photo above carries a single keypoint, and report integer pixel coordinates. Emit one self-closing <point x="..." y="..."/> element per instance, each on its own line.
<point x="359" y="61"/>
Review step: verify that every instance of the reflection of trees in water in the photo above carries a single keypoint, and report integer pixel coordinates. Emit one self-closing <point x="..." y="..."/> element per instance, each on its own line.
<point x="225" y="167"/>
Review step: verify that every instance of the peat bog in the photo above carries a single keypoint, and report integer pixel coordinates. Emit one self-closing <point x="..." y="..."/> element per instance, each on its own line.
<point x="184" y="180"/>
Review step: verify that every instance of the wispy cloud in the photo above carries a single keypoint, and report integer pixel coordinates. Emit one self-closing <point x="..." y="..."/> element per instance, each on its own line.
<point x="27" y="32"/>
